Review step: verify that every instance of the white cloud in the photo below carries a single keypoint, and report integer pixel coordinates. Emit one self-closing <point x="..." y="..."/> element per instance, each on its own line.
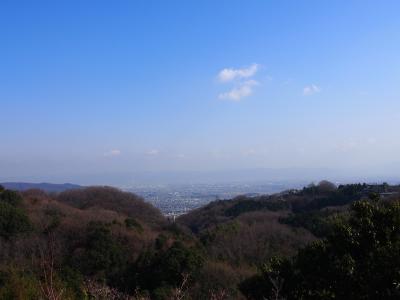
<point x="229" y="74"/>
<point x="311" y="89"/>
<point x="114" y="152"/>
<point x="245" y="89"/>
<point x="153" y="152"/>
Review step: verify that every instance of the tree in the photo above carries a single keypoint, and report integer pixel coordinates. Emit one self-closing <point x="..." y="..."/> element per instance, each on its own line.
<point x="103" y="256"/>
<point x="162" y="272"/>
<point x="358" y="260"/>
<point x="326" y="186"/>
<point x="11" y="197"/>
<point x="13" y="221"/>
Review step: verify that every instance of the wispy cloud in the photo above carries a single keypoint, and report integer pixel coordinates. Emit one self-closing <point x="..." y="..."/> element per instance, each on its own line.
<point x="243" y="85"/>
<point x="229" y="74"/>
<point x="237" y="93"/>
<point x="311" y="90"/>
<point x="114" y="152"/>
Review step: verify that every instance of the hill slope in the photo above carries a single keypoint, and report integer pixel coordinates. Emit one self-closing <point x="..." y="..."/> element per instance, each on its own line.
<point x="113" y="199"/>
<point x="104" y="243"/>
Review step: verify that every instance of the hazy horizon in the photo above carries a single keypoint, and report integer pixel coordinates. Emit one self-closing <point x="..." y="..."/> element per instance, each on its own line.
<point x="290" y="177"/>
<point x="134" y="92"/>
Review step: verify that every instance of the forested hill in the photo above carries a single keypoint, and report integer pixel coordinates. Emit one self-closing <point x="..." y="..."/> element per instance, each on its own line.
<point x="299" y="208"/>
<point x="44" y="186"/>
<point x="266" y="231"/>
<point x="103" y="243"/>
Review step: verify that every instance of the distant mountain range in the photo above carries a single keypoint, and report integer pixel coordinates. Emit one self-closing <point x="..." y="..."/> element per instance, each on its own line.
<point x="47" y="187"/>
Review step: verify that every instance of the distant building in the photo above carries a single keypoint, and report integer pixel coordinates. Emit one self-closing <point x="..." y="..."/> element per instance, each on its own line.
<point x="388" y="194"/>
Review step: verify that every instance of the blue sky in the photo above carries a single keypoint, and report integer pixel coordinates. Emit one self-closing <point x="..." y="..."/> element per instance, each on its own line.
<point x="107" y="87"/>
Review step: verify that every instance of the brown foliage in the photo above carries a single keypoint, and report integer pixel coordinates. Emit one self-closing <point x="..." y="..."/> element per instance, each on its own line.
<point x="109" y="198"/>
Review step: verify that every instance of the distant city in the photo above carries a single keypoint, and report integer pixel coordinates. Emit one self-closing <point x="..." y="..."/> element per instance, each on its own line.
<point x="174" y="200"/>
<point x="177" y="199"/>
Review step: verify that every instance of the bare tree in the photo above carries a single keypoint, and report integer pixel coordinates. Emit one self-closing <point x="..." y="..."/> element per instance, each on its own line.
<point x="277" y="285"/>
<point x="102" y="292"/>
<point x="48" y="285"/>
<point x="179" y="293"/>
<point x="218" y="295"/>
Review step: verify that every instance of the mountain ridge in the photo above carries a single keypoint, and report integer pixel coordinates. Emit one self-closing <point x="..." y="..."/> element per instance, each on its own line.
<point x="44" y="186"/>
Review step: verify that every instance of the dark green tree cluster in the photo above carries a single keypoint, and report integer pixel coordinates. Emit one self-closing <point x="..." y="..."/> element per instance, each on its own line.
<point x="358" y="260"/>
<point x="245" y="204"/>
<point x="13" y="219"/>
<point x="101" y="254"/>
<point x="317" y="222"/>
<point x="161" y="270"/>
<point x="156" y="272"/>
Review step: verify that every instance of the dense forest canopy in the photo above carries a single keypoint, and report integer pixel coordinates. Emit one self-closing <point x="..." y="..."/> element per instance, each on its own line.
<point x="320" y="242"/>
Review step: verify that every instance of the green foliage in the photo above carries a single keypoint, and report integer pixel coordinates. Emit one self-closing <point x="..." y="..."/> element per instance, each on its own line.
<point x="318" y="222"/>
<point x="248" y="205"/>
<point x="13" y="221"/>
<point x="10" y="197"/>
<point x="18" y="285"/>
<point x="178" y="260"/>
<point x="54" y="217"/>
<point x="317" y="197"/>
<point x="224" y="229"/>
<point x="103" y="256"/>
<point x="161" y="241"/>
<point x="158" y="272"/>
<point x="176" y="229"/>
<point x="131" y="223"/>
<point x="162" y="292"/>
<point x="358" y="260"/>
<point x="73" y="281"/>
